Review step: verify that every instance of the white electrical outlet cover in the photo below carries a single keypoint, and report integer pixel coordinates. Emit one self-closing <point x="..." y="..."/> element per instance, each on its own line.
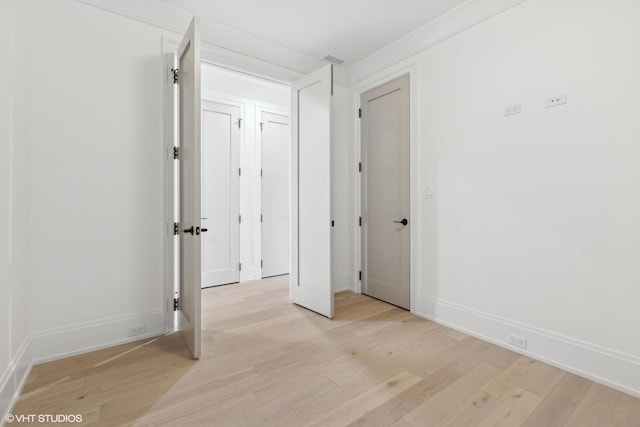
<point x="511" y="110"/>
<point x="556" y="100"/>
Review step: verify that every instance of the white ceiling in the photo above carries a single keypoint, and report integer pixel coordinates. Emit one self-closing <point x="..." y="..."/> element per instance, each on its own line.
<point x="348" y="29"/>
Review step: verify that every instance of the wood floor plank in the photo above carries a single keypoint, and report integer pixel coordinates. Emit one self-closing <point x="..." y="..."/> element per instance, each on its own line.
<point x="509" y="380"/>
<point x="401" y="423"/>
<point x="270" y="413"/>
<point x="596" y="407"/>
<point x="543" y="379"/>
<point x="561" y="402"/>
<point x="513" y="411"/>
<point x="395" y="409"/>
<point x="269" y="363"/>
<point x="318" y="407"/>
<point x="443" y="404"/>
<point x="354" y="408"/>
<point x="627" y="413"/>
<point x="472" y="411"/>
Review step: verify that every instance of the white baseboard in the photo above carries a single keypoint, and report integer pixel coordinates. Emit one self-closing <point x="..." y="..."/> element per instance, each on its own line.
<point x="342" y="282"/>
<point x="13" y="379"/>
<point x="58" y="343"/>
<point x="615" y="369"/>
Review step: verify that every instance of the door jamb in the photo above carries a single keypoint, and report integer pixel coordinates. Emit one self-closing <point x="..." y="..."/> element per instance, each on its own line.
<point x="169" y="173"/>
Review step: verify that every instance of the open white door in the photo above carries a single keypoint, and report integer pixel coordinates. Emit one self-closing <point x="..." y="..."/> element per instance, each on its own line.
<point x="310" y="284"/>
<point x="189" y="154"/>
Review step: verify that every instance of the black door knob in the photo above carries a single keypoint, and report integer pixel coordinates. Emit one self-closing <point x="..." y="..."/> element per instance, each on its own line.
<point x="189" y="230"/>
<point x="403" y="222"/>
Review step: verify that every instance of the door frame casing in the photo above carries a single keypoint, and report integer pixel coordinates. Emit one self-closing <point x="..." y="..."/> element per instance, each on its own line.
<point x="409" y="68"/>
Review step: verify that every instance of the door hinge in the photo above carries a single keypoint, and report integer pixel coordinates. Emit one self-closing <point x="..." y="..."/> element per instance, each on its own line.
<point x="261" y="123"/>
<point x="261" y="263"/>
<point x="176" y="304"/>
<point x="176" y="227"/>
<point x="239" y="266"/>
<point x="239" y="171"/>
<point x="239" y="123"/>
<point x="360" y="221"/>
<point x="176" y="153"/>
<point x="239" y="219"/>
<point x="359" y="113"/>
<point x="176" y="75"/>
<point x="260" y="171"/>
<point x="333" y="223"/>
<point x="359" y="166"/>
<point x="260" y="217"/>
<point x="360" y="275"/>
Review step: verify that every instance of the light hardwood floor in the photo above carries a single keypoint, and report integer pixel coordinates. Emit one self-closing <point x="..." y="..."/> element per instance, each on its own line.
<point x="267" y="362"/>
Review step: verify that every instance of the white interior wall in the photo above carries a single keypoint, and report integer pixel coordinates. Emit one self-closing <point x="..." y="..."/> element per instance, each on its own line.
<point x="96" y="200"/>
<point x="534" y="226"/>
<point x="15" y="352"/>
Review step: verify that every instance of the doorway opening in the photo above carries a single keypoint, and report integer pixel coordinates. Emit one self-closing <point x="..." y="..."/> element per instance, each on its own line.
<point x="258" y="125"/>
<point x="245" y="176"/>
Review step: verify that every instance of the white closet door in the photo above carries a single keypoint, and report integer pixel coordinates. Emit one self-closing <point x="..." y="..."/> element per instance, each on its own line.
<point x="274" y="142"/>
<point x="220" y="194"/>
<point x="189" y="140"/>
<point x="310" y="284"/>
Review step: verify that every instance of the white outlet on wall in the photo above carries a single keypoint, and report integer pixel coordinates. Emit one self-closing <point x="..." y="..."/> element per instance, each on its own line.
<point x="553" y="101"/>
<point x="136" y="330"/>
<point x="511" y="110"/>
<point x="517" y="341"/>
